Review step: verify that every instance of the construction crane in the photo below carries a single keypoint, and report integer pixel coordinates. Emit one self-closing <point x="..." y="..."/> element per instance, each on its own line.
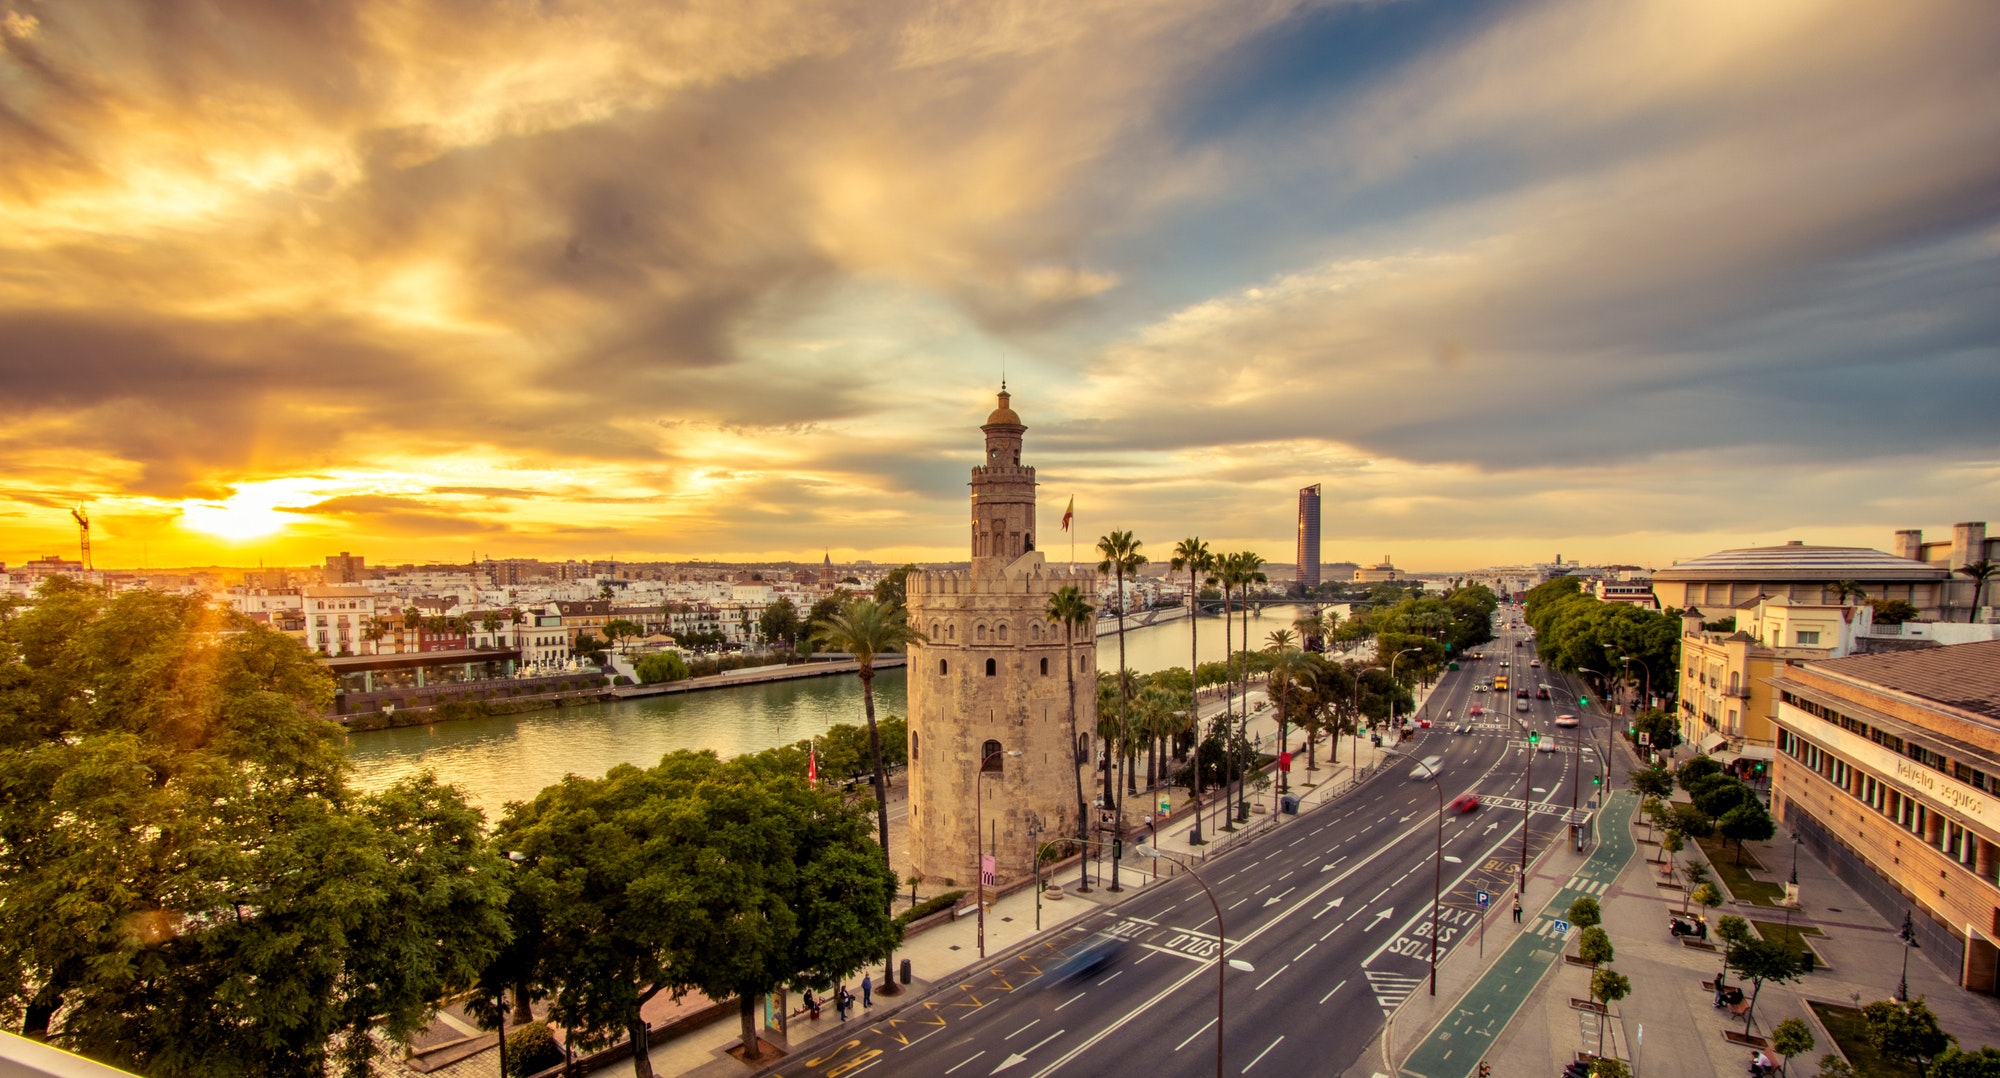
<point x="83" y="530"/>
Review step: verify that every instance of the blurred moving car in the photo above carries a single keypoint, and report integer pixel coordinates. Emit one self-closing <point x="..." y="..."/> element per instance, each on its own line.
<point x="1475" y="710"/>
<point x="1541" y="694"/>
<point x="1565" y="720"/>
<point x="1086" y="958"/>
<point x="1465" y="802"/>
<point x="1427" y="769"/>
<point x="1547" y="744"/>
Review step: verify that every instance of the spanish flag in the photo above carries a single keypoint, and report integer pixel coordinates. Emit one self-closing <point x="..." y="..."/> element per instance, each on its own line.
<point x="1070" y="512"/>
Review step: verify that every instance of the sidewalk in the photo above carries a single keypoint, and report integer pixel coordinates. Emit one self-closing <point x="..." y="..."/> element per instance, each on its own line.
<point x="1513" y="1008"/>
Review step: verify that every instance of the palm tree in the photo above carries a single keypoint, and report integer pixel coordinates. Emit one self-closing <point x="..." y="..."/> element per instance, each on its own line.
<point x="1068" y="609"/>
<point x="1225" y="575"/>
<point x="1290" y="667"/>
<point x="1121" y="556"/>
<point x="1979" y="571"/>
<point x="1310" y="627"/>
<point x="1845" y="590"/>
<point x="1193" y="555"/>
<point x="865" y="629"/>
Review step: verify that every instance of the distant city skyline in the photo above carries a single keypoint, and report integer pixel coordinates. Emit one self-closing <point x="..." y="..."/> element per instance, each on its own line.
<point x="1505" y="277"/>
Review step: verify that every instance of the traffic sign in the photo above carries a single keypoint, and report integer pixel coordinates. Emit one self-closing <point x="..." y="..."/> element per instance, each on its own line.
<point x="1645" y="738"/>
<point x="1484" y="898"/>
<point x="1562" y="929"/>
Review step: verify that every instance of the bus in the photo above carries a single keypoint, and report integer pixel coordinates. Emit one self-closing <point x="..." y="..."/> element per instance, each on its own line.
<point x="1499" y="683"/>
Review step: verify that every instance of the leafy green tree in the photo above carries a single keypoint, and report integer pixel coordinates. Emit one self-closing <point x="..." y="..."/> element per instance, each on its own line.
<point x="1894" y="611"/>
<point x="588" y="647"/>
<point x="865" y="630"/>
<point x="1717" y="794"/>
<point x="732" y="878"/>
<point x="1068" y="609"/>
<point x="1608" y="987"/>
<point x="661" y="667"/>
<point x="1831" y="1065"/>
<point x="1606" y="1066"/>
<point x="1792" y="1037"/>
<point x="1758" y="961"/>
<point x="1593" y="945"/>
<point x="1707" y="896"/>
<point x="1650" y="782"/>
<point x="1904" y="1031"/>
<point x="1584" y="912"/>
<point x="779" y="622"/>
<point x="1662" y="732"/>
<point x="1671" y="843"/>
<point x="1746" y="823"/>
<point x="1292" y="676"/>
<point x="188" y="886"/>
<point x="1847" y="591"/>
<point x="1956" y="1062"/>
<point x="891" y="590"/>
<point x="532" y="1048"/>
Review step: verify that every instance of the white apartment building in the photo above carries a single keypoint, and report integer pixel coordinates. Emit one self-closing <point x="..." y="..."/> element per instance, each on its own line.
<point x="337" y="617"/>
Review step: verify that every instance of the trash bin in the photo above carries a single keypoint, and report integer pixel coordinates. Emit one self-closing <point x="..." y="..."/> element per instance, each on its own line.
<point x="1809" y="957"/>
<point x="1290" y="804"/>
<point x="905" y="972"/>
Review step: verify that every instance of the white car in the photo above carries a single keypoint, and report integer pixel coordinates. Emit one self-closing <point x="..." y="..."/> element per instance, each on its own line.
<point x="1426" y="770"/>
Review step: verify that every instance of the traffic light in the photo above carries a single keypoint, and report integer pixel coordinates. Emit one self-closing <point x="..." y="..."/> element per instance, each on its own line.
<point x="1534" y="738"/>
<point x="1597" y="780"/>
<point x="1117" y="849"/>
<point x="1583" y="701"/>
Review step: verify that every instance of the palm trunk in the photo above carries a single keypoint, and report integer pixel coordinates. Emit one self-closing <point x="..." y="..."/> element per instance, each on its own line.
<point x="1118" y="808"/>
<point x="867" y="673"/>
<point x="1228" y="699"/>
<point x="1194" y="694"/>
<point x="1082" y="810"/>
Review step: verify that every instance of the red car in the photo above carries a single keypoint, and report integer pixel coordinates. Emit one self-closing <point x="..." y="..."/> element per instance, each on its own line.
<point x="1475" y="710"/>
<point x="1425" y="723"/>
<point x="1465" y="802"/>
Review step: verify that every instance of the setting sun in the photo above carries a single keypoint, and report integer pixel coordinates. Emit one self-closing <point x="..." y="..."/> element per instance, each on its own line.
<point x="254" y="511"/>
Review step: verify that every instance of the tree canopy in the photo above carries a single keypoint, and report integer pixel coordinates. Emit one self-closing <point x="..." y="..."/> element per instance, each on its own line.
<point x="187" y="885"/>
<point x="732" y="877"/>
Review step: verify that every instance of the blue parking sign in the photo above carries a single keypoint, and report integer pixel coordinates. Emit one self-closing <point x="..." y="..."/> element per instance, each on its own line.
<point x="1483" y="899"/>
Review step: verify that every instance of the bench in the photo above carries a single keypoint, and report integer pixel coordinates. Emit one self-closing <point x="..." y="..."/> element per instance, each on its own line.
<point x="1740" y="1009"/>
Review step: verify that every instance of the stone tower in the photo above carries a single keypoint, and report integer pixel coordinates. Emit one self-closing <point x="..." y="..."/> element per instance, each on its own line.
<point x="989" y="687"/>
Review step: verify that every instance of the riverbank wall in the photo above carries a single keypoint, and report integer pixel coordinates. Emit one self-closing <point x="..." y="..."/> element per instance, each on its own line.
<point x="483" y="699"/>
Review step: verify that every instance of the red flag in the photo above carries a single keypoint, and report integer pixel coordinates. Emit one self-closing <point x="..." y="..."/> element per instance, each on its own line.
<point x="812" y="767"/>
<point x="1069" y="512"/>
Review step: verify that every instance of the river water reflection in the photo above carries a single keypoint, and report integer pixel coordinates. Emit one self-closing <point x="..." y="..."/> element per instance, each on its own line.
<point x="511" y="757"/>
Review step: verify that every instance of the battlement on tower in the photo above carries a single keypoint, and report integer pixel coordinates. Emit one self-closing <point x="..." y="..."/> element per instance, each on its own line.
<point x="1029" y="574"/>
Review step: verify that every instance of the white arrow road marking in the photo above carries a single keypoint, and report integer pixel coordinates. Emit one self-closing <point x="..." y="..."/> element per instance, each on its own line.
<point x="1408" y="818"/>
<point x="1022" y="1055"/>
<point x="1273" y="900"/>
<point x="1328" y="867"/>
<point x="1490" y="827"/>
<point x="1333" y="905"/>
<point x="1382" y="915"/>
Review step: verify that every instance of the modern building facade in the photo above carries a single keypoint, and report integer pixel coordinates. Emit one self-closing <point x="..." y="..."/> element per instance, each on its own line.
<point x="1889" y="767"/>
<point x="345" y="568"/>
<point x="993" y="764"/>
<point x="1969" y="543"/>
<point x="1380" y="573"/>
<point x="1804" y="574"/>
<point x="1309" y="536"/>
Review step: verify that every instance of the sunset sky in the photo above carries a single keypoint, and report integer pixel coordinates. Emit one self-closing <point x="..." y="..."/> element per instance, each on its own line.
<point x="1627" y="281"/>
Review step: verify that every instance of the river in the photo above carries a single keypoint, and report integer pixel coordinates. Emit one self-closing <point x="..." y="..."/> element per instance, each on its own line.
<point x="511" y="757"/>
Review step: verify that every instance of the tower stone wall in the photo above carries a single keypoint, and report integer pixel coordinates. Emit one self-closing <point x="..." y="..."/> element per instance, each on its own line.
<point x="993" y="676"/>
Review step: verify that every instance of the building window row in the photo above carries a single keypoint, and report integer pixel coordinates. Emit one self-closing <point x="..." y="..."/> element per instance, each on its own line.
<point x="1936" y="761"/>
<point x="1927" y="825"/>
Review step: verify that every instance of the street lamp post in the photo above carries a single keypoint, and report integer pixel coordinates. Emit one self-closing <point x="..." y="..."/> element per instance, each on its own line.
<point x="1035" y="829"/>
<point x="1437" y="875"/>
<point x="1908" y="935"/>
<point x="1649" y="675"/>
<point x="1222" y="961"/>
<point x="979" y="834"/>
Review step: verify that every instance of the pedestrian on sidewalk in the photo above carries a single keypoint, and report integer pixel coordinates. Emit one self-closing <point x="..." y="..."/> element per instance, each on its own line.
<point x="812" y="1004"/>
<point x="867" y="990"/>
<point x="1517" y="909"/>
<point x="843" y="1000"/>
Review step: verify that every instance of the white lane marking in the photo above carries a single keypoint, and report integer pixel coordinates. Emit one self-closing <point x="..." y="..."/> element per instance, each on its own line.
<point x="1196" y="1033"/>
<point x="1336" y="988"/>
<point x="1261" y="1055"/>
<point x="969" y="1059"/>
<point x="1068" y="1001"/>
<point x="1303" y="953"/>
<point x="1111" y="978"/>
<point x="1022" y="1030"/>
<point x="1272" y="977"/>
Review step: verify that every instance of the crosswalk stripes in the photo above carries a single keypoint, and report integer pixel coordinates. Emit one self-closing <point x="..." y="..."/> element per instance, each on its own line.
<point x="1391" y="988"/>
<point x="1588" y="887"/>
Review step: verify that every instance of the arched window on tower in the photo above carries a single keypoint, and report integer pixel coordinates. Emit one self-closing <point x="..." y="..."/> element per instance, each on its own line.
<point x="951" y="632"/>
<point x="1083" y="748"/>
<point x="992" y="667"/>
<point x="916" y="746"/>
<point x="979" y="634"/>
<point x="991" y="758"/>
<point x="944" y="667"/>
<point x="1003" y="632"/>
<point x="1045" y="666"/>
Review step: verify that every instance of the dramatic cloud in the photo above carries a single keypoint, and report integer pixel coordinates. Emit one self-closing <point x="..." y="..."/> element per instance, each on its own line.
<point x="738" y="279"/>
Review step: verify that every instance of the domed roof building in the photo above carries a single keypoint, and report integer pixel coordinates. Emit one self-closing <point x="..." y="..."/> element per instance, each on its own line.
<point x="1801" y="573"/>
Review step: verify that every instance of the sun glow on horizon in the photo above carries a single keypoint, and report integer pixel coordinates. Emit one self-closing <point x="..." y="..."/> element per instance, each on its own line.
<point x="255" y="510"/>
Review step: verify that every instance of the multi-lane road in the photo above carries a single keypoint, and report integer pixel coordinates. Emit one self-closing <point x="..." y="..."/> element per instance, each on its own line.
<point x="1331" y="910"/>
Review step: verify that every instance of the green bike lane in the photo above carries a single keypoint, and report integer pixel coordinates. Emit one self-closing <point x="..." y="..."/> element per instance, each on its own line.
<point x="1457" y="1044"/>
